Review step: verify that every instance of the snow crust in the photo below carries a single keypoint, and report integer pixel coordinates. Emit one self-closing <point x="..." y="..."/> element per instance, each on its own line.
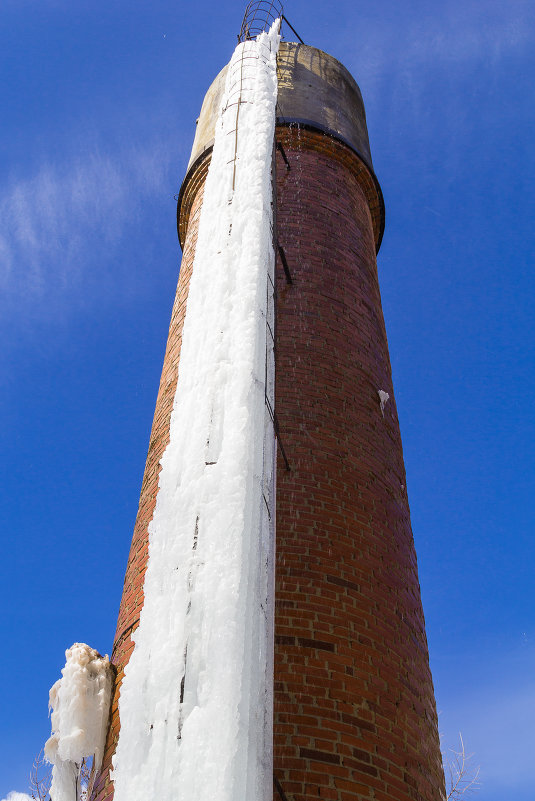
<point x="80" y="705"/>
<point x="196" y="700"/>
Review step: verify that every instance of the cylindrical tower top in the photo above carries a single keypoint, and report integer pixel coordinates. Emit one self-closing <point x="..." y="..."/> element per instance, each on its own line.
<point x="315" y="91"/>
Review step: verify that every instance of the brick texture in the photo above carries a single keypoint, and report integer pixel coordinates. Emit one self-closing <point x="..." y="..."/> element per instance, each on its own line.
<point x="354" y="707"/>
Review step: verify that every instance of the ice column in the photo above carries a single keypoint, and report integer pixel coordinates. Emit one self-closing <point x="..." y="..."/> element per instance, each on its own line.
<point x="196" y="699"/>
<point x="80" y="705"/>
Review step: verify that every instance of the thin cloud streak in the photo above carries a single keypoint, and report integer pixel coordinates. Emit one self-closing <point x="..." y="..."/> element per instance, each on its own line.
<point x="48" y="221"/>
<point x="15" y="796"/>
<point x="428" y="81"/>
<point x="449" y="42"/>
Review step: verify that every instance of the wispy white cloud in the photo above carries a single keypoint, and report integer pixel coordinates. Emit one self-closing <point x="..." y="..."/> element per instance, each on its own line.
<point x="52" y="222"/>
<point x="14" y="796"/>
<point x="427" y="82"/>
<point x="455" y="36"/>
<point x="457" y="44"/>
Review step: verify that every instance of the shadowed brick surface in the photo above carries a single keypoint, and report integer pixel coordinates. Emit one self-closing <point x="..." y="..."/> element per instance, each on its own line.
<point x="354" y="706"/>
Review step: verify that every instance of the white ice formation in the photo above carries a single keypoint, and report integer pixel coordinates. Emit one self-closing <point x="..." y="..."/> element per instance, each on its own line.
<point x="195" y="703"/>
<point x="384" y="397"/>
<point x="80" y="706"/>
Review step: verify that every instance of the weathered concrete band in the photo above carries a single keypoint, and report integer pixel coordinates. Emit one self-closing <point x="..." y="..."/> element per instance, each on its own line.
<point x="315" y="91"/>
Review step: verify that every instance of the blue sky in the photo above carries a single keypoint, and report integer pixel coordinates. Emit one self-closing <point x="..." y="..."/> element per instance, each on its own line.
<point x="99" y="102"/>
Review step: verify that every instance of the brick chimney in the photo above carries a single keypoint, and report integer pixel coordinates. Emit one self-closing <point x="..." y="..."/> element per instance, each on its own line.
<point x="354" y="709"/>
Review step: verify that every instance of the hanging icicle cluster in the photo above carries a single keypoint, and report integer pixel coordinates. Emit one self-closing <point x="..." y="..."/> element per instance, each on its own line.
<point x="80" y="707"/>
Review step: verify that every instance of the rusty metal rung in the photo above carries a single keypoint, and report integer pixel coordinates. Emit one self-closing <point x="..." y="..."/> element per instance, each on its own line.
<point x="283" y="154"/>
<point x="267" y="506"/>
<point x="276" y="427"/>
<point x="241" y="102"/>
<point x="287" y="272"/>
<point x="288" y="23"/>
<point x="279" y="789"/>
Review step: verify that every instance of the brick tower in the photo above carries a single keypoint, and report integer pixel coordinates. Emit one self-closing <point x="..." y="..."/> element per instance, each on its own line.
<point x="354" y="710"/>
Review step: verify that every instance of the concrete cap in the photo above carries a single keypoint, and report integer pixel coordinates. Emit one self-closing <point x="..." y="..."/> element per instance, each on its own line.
<point x="314" y="89"/>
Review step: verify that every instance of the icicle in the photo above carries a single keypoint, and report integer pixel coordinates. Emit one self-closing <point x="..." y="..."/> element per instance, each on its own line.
<point x="80" y="706"/>
<point x="195" y="703"/>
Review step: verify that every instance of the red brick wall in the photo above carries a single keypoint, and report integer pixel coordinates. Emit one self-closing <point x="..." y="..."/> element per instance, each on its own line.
<point x="132" y="599"/>
<point x="354" y="706"/>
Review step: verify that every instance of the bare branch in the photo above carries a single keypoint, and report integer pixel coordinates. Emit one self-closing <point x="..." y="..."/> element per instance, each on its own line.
<point x="40" y="778"/>
<point x="464" y="779"/>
